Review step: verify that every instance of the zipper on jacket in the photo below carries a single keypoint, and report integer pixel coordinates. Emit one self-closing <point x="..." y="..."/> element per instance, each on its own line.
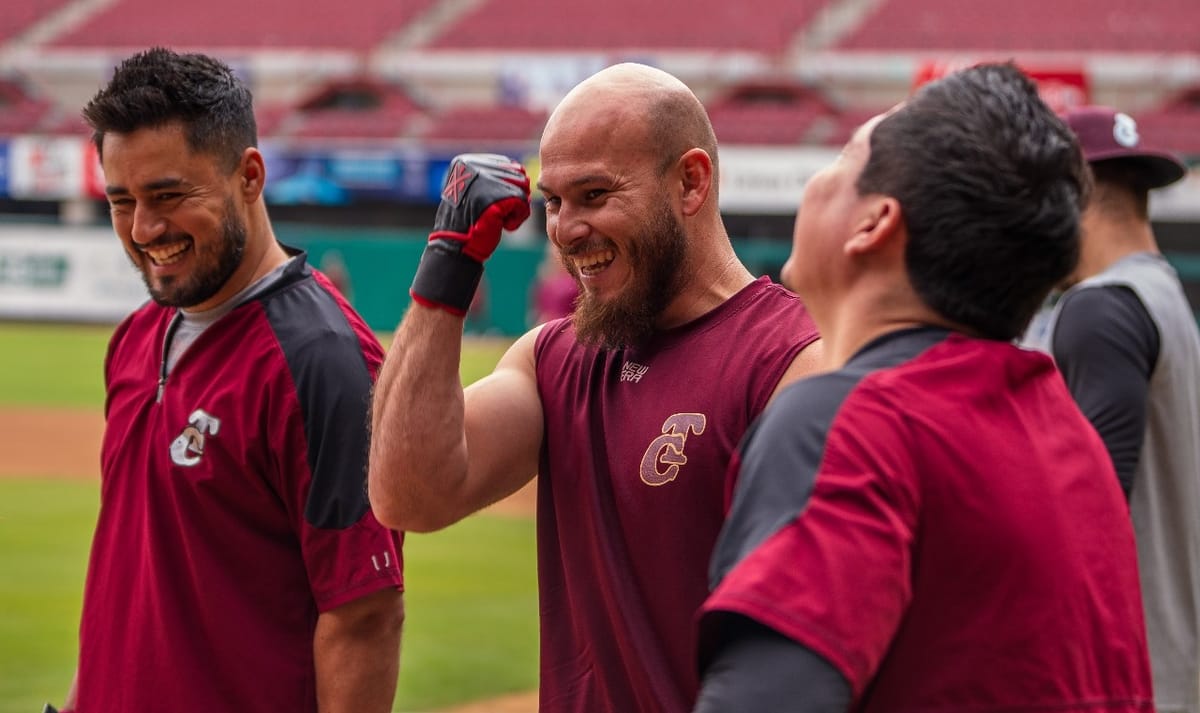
<point x="166" y="349"/>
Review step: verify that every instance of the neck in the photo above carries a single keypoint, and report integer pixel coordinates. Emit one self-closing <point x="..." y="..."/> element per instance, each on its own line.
<point x="714" y="281"/>
<point x="855" y="320"/>
<point x="1107" y="241"/>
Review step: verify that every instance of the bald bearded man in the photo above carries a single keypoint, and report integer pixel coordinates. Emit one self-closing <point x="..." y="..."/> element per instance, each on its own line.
<point x="630" y="409"/>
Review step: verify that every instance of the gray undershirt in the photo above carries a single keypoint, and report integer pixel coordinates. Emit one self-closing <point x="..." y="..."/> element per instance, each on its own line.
<point x="190" y="325"/>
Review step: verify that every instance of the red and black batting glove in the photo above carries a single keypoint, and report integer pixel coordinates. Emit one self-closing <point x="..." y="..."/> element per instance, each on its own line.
<point x="483" y="194"/>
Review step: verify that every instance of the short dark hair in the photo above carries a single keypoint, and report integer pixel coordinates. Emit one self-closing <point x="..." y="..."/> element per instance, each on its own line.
<point x="158" y="86"/>
<point x="990" y="184"/>
<point x="1120" y="186"/>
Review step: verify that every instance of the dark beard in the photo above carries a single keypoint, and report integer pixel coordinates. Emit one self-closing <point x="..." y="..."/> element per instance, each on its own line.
<point x="659" y="263"/>
<point x="214" y="266"/>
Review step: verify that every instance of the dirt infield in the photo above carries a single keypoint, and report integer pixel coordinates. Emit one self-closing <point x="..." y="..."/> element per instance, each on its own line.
<point x="49" y="442"/>
<point x="65" y="443"/>
<point x="515" y="703"/>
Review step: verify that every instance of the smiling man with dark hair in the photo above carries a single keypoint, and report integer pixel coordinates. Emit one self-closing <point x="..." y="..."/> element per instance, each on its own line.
<point x="933" y="525"/>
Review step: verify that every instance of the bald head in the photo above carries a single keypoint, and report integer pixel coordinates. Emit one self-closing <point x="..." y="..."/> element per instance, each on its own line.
<point x="636" y="103"/>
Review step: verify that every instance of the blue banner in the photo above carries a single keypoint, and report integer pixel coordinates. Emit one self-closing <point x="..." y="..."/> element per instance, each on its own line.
<point x="4" y="170"/>
<point x="345" y="176"/>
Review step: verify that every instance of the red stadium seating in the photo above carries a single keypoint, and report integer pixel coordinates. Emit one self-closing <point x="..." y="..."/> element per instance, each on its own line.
<point x="764" y="27"/>
<point x="841" y="127"/>
<point x="20" y="113"/>
<point x="1046" y="25"/>
<point x="1175" y="126"/>
<point x="61" y="122"/>
<point x="766" y="113"/>
<point x="358" y="108"/>
<point x="241" y="24"/>
<point x="19" y="16"/>
<point x="482" y="126"/>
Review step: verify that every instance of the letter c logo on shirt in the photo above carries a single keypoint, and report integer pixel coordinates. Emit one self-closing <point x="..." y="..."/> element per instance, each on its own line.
<point x="667" y="449"/>
<point x="188" y="446"/>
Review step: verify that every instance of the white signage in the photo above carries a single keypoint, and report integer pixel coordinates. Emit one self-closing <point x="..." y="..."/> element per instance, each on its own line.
<point x="70" y="274"/>
<point x="41" y="168"/>
<point x="759" y="179"/>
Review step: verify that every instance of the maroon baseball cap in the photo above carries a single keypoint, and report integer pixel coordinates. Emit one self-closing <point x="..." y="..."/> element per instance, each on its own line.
<point x="1106" y="134"/>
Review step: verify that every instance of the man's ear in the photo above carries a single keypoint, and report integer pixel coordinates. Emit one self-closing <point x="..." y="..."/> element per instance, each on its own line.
<point x="880" y="226"/>
<point x="695" y="169"/>
<point x="253" y="173"/>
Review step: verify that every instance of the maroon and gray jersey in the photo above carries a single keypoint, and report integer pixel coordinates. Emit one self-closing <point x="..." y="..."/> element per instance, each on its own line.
<point x="633" y="488"/>
<point x="233" y="505"/>
<point x="939" y="522"/>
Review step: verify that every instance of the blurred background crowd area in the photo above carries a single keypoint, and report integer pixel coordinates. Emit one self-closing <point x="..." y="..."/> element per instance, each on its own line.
<point x="362" y="104"/>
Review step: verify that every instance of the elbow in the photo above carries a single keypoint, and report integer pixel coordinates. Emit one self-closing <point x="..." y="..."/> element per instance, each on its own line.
<point x="414" y="522"/>
<point x="404" y="514"/>
<point x="387" y="509"/>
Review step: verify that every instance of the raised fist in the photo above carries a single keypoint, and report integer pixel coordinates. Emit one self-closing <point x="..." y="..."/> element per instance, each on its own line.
<point x="483" y="194"/>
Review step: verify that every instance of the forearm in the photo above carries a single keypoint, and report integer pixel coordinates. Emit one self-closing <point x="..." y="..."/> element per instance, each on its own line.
<point x="356" y="651"/>
<point x="418" y="449"/>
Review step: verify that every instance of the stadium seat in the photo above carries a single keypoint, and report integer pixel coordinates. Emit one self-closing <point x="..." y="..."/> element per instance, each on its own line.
<point x="473" y="127"/>
<point x="632" y="25"/>
<point x="766" y="113"/>
<point x="1175" y="125"/>
<point x="1062" y="25"/>
<point x="20" y="112"/>
<point x="19" y="17"/>
<point x="350" y="109"/>
<point x="237" y="24"/>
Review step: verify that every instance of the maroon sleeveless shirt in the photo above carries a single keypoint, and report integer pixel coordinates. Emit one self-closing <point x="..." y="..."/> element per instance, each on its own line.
<point x="633" y="489"/>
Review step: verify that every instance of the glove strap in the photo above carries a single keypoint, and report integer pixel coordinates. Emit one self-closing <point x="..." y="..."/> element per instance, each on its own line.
<point x="447" y="278"/>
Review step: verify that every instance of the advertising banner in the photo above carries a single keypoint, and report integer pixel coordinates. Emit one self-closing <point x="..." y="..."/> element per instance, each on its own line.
<point x="44" y="168"/>
<point x="345" y="176"/>
<point x="1061" y="87"/>
<point x="56" y="273"/>
<point x="4" y="169"/>
<point x="768" y="180"/>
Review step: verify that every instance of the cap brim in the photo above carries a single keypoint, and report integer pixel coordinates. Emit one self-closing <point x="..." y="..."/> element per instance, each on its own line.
<point x="1159" y="169"/>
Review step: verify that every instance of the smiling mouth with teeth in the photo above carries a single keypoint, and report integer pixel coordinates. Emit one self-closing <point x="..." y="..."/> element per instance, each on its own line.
<point x="593" y="263"/>
<point x="167" y="254"/>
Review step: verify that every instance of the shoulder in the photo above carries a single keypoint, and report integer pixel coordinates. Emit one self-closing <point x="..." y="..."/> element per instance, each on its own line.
<point x="814" y="399"/>
<point x="316" y="329"/>
<point x="142" y="323"/>
<point x="1094" y="316"/>
<point x="549" y="341"/>
<point x="779" y="311"/>
<point x="809" y="414"/>
<point x="768" y="316"/>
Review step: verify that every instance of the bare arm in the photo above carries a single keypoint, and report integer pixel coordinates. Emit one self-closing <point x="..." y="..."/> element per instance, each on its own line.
<point x="356" y="650"/>
<point x="811" y="360"/>
<point x="438" y="453"/>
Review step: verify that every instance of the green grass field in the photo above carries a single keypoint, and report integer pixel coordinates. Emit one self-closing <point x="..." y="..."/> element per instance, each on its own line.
<point x="471" y="598"/>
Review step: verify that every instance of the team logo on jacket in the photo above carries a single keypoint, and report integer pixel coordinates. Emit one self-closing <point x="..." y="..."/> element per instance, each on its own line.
<point x="188" y="447"/>
<point x="664" y="457"/>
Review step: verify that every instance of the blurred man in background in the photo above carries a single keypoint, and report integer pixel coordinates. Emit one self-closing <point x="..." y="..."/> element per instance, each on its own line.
<point x="628" y="411"/>
<point x="923" y="528"/>
<point x="1125" y="338"/>
<point x="236" y="564"/>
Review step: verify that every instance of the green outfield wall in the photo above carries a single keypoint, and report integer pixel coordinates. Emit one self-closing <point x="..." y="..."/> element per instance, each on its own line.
<point x="379" y="267"/>
<point x="65" y="274"/>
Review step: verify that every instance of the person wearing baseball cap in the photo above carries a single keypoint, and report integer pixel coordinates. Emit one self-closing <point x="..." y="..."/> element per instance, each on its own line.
<point x="1125" y="339"/>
